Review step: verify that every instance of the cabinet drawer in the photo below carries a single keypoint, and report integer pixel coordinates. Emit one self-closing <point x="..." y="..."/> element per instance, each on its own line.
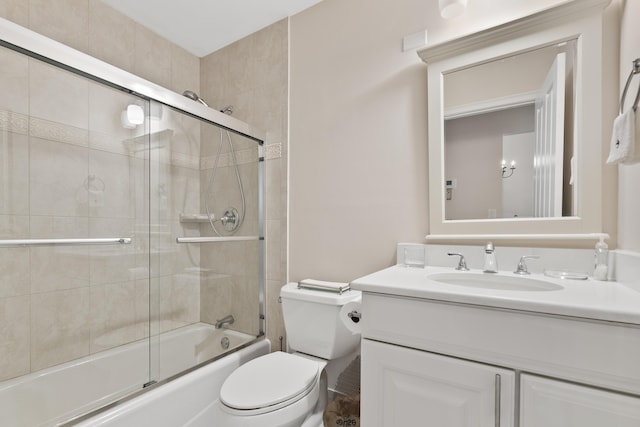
<point x="601" y="354"/>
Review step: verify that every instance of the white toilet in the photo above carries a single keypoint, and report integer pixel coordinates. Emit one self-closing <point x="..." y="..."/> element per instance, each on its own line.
<point x="282" y="389"/>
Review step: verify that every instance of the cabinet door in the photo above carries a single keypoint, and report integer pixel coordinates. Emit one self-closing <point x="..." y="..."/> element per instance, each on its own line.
<point x="406" y="387"/>
<point x="551" y="403"/>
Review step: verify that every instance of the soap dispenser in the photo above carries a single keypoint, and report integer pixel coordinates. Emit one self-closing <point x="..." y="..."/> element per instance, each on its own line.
<point x="490" y="262"/>
<point x="601" y="268"/>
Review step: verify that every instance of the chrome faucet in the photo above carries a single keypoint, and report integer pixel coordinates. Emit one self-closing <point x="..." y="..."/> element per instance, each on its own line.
<point x="227" y="320"/>
<point x="490" y="261"/>
<point x="462" y="264"/>
<point x="522" y="266"/>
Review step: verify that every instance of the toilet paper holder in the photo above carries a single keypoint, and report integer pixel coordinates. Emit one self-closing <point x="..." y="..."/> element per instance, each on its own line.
<point x="355" y="316"/>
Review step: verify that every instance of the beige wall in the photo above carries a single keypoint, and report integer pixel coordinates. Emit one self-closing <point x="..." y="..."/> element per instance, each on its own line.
<point x="358" y="136"/>
<point x="629" y="176"/>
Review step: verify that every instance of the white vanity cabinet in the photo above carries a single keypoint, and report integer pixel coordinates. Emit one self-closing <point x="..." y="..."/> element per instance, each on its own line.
<point x="437" y="363"/>
<point x="407" y="387"/>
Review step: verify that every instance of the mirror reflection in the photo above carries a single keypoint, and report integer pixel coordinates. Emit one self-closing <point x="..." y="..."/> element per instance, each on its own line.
<point x="508" y="141"/>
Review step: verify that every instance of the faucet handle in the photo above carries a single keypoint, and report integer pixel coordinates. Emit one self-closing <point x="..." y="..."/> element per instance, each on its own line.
<point x="522" y="265"/>
<point x="489" y="248"/>
<point x="462" y="264"/>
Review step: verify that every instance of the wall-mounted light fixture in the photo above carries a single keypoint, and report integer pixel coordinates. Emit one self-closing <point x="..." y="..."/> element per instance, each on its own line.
<point x="451" y="8"/>
<point x="132" y="116"/>
<point x="504" y="168"/>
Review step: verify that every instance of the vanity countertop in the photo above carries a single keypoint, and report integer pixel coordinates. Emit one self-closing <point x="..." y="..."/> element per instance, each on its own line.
<point x="589" y="299"/>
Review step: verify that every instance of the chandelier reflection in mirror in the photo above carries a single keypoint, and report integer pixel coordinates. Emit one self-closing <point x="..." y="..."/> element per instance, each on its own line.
<point x="504" y="168"/>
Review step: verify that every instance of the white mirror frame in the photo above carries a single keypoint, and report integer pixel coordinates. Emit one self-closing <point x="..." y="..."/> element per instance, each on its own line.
<point x="581" y="20"/>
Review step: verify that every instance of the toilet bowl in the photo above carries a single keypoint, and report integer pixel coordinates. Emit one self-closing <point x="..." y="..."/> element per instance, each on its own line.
<point x="285" y="389"/>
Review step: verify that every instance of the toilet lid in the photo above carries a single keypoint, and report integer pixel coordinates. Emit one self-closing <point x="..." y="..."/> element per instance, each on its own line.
<point x="268" y="380"/>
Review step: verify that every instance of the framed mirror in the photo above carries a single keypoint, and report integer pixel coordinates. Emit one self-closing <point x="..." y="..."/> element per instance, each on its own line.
<point x="515" y="126"/>
<point x="508" y="142"/>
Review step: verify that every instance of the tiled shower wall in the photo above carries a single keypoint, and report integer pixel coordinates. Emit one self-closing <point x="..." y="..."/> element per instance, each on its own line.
<point x="255" y="85"/>
<point x="70" y="171"/>
<point x="94" y="28"/>
<point x="252" y="75"/>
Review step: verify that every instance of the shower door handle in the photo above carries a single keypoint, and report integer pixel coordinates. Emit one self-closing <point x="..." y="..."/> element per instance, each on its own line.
<point x="216" y="239"/>
<point x="64" y="242"/>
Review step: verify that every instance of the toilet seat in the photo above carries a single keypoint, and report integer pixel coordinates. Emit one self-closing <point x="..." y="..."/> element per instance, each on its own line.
<point x="269" y="383"/>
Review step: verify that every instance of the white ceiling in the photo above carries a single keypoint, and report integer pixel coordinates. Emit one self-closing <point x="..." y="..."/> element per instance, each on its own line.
<point x="204" y="26"/>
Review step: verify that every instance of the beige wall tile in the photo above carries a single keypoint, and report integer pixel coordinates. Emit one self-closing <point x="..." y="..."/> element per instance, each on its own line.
<point x="14" y="158"/>
<point x="113" y="263"/>
<point x="111" y="36"/>
<point x="14" y="227"/>
<point x="111" y="185"/>
<point x="66" y="21"/>
<point x="216" y="297"/>
<point x="152" y="59"/>
<point x="213" y="69"/>
<point x="57" y="176"/>
<point x="14" y="336"/>
<point x="244" y="307"/>
<point x="185" y="70"/>
<point x="241" y="66"/>
<point x="14" y="81"/>
<point x="14" y="272"/>
<point x="179" y="300"/>
<point x="271" y="44"/>
<point x="15" y="11"/>
<point x="59" y="327"/>
<point x="221" y="295"/>
<point x="235" y="258"/>
<point x="58" y="95"/>
<point x="59" y="267"/>
<point x="113" y="319"/>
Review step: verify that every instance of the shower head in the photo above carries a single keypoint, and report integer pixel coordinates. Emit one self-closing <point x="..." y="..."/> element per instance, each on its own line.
<point x="192" y="95"/>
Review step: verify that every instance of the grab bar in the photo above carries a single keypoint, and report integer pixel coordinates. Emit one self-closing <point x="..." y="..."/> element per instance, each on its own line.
<point x="215" y="239"/>
<point x="65" y="242"/>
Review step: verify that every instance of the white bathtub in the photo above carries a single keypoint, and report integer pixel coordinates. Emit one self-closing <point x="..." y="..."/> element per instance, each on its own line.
<point x="50" y="396"/>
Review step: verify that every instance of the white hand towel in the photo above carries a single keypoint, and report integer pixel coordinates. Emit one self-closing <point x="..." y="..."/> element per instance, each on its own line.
<point x="623" y="138"/>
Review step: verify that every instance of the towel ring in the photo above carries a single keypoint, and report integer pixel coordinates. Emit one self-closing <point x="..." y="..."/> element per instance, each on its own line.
<point x="634" y="70"/>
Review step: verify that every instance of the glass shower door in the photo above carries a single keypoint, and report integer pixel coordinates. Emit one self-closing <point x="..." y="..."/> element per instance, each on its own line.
<point x="74" y="265"/>
<point x="205" y="282"/>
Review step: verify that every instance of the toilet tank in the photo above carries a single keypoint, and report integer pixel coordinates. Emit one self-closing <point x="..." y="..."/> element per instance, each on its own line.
<point x="317" y="322"/>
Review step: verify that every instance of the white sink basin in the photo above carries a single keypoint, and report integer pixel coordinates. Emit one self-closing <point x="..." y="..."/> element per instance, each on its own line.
<point x="492" y="281"/>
